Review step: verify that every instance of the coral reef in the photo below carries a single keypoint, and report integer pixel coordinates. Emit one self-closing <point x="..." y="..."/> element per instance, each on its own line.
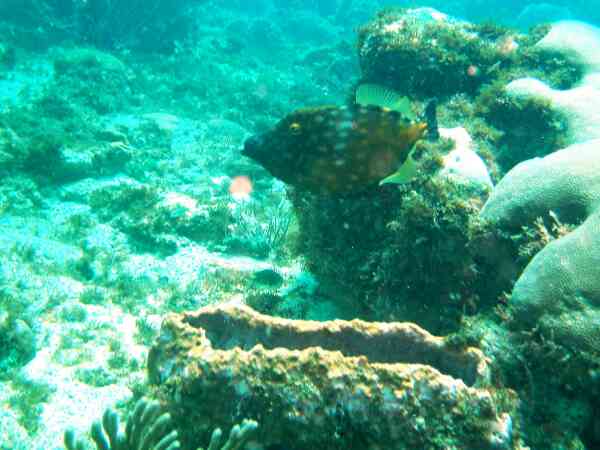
<point x="93" y="79"/>
<point x="423" y="52"/>
<point x="118" y="207"/>
<point x="555" y="300"/>
<point x="238" y="436"/>
<point x="109" y="24"/>
<point x="153" y="25"/>
<point x="326" y="384"/>
<point x="257" y="230"/>
<point x="553" y="308"/>
<point x="520" y="127"/>
<point x="54" y="135"/>
<point x="557" y="282"/>
<point x="154" y="221"/>
<point x="150" y="428"/>
<point x="7" y="56"/>
<point x="579" y="104"/>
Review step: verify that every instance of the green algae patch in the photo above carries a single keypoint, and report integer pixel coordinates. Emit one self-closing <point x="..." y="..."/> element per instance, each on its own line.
<point x="526" y="127"/>
<point x="18" y="343"/>
<point x="154" y="221"/>
<point x="28" y="401"/>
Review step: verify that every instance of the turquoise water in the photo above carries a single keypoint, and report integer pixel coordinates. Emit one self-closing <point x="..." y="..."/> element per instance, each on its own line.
<point x="299" y="224"/>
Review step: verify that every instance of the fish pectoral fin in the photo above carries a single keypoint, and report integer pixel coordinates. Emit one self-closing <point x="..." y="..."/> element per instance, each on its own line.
<point x="405" y="173"/>
<point x="375" y="95"/>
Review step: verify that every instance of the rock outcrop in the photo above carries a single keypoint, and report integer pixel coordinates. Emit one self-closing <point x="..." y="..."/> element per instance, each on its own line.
<point x="337" y="384"/>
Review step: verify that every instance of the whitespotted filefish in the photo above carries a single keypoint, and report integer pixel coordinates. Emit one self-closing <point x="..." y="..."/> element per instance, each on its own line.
<point x="344" y="149"/>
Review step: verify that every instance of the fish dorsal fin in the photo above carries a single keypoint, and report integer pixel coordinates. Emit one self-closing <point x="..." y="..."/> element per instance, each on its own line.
<point x="405" y="173"/>
<point x="376" y="95"/>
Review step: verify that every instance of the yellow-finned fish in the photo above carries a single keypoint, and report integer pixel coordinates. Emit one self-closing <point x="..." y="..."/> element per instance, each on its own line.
<point x="333" y="149"/>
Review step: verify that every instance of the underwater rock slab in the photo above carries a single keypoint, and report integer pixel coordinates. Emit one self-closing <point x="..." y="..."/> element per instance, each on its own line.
<point x="337" y="384"/>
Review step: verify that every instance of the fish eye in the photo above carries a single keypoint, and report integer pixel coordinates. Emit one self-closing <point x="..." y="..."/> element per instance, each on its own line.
<point x="295" y="127"/>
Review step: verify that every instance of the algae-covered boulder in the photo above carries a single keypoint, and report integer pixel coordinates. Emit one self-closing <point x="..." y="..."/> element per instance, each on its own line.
<point x="423" y="52"/>
<point x="401" y="252"/>
<point x="351" y="385"/>
<point x="559" y="290"/>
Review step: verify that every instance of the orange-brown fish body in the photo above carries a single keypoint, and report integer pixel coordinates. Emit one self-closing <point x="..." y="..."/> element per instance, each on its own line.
<point x="335" y="149"/>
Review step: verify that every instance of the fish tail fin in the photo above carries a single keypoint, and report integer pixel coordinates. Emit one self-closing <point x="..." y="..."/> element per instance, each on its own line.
<point x="430" y="117"/>
<point x="404" y="174"/>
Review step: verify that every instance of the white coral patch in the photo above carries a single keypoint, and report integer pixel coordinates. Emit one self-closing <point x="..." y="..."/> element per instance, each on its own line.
<point x="463" y="163"/>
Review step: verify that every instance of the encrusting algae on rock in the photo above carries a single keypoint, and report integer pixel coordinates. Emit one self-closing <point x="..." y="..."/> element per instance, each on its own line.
<point x="345" y="149"/>
<point x="326" y="385"/>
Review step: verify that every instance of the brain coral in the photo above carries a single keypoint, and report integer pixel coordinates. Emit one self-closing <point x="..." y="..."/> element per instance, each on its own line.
<point x="559" y="290"/>
<point x="581" y="43"/>
<point x="555" y="302"/>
